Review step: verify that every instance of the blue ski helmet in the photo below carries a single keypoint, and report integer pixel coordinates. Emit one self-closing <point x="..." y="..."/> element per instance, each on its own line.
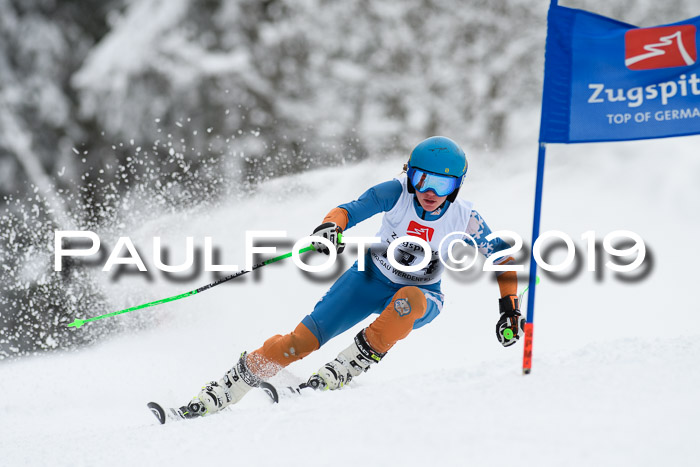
<point x="438" y="156"/>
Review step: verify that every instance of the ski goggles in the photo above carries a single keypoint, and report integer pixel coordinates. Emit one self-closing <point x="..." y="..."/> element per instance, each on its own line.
<point x="423" y="181"/>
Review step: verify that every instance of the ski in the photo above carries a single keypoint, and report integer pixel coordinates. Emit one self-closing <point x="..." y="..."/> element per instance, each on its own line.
<point x="171" y="414"/>
<point x="284" y="392"/>
<point x="165" y="414"/>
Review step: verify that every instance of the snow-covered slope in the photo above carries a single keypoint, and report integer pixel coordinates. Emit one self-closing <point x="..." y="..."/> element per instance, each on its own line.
<point x="614" y="379"/>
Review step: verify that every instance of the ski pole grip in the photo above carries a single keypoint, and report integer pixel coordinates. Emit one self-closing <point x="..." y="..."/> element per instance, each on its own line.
<point x="312" y="248"/>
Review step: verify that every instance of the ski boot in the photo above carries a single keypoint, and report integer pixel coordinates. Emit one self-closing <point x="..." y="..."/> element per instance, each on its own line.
<point x="228" y="390"/>
<point x="349" y="363"/>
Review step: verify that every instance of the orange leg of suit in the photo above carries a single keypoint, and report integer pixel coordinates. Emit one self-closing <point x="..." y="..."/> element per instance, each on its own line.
<point x="394" y="323"/>
<point x="279" y="351"/>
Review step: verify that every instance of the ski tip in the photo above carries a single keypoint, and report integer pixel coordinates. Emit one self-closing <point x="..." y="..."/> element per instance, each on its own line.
<point x="158" y="411"/>
<point x="271" y="391"/>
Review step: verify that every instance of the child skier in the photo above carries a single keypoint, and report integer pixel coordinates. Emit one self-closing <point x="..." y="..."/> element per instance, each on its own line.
<point x="423" y="203"/>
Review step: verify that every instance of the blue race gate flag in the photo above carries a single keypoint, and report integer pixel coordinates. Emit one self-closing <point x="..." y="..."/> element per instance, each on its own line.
<point x="605" y="80"/>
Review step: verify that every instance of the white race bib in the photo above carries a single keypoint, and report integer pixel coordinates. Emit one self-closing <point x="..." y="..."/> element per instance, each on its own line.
<point x="401" y="221"/>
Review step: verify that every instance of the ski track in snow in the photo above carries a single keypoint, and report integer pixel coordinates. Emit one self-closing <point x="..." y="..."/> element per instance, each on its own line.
<point x="614" y="377"/>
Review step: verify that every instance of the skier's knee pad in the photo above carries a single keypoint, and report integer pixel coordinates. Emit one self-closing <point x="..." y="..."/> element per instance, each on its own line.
<point x="396" y="321"/>
<point x="279" y="351"/>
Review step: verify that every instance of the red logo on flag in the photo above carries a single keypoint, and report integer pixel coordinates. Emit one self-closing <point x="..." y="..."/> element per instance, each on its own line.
<point x="664" y="47"/>
<point x="417" y="230"/>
